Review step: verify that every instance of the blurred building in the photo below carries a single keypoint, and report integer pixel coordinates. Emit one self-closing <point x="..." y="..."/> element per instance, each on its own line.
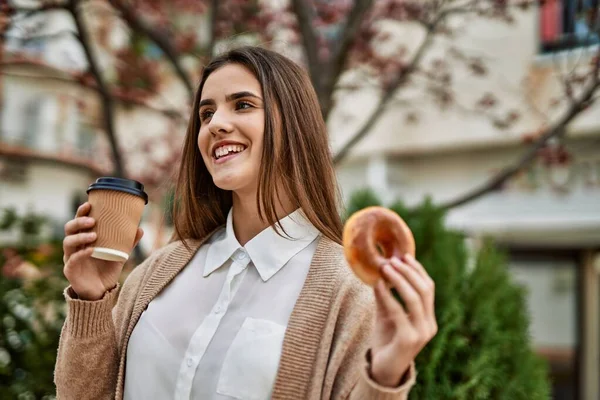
<point x="53" y="142"/>
<point x="548" y="216"/>
<point x="52" y="146"/>
<point x="48" y="151"/>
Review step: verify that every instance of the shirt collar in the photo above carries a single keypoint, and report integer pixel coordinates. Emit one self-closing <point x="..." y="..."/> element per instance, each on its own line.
<point x="222" y="247"/>
<point x="268" y="250"/>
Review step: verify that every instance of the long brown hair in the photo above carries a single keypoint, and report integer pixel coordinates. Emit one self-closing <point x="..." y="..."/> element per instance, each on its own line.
<point x="295" y="153"/>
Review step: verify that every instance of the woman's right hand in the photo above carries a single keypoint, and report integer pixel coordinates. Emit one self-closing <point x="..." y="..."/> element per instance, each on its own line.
<point x="89" y="277"/>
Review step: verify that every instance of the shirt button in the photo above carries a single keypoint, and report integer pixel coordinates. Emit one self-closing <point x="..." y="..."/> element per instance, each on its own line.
<point x="241" y="255"/>
<point x="190" y="361"/>
<point x="218" y="309"/>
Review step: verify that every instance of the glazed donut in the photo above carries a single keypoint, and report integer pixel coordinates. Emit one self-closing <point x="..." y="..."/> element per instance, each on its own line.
<point x="371" y="237"/>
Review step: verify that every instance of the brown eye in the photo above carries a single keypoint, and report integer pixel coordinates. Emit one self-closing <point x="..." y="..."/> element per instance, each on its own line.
<point x="206" y="114"/>
<point x="243" y="105"/>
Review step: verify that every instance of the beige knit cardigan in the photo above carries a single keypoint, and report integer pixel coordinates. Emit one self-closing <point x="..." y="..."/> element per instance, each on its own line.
<point x="324" y="348"/>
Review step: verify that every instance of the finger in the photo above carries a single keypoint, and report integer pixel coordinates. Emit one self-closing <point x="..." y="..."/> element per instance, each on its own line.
<point x="80" y="256"/>
<point x="78" y="224"/>
<point x="73" y="243"/>
<point x="410" y="260"/>
<point x="414" y="303"/>
<point x="418" y="282"/>
<point x="386" y="303"/>
<point x="83" y="209"/>
<point x="138" y="236"/>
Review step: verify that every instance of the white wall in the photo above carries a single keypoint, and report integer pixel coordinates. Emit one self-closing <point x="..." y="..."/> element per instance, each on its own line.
<point x="551" y="301"/>
<point x="56" y="117"/>
<point x="518" y="76"/>
<point x="48" y="189"/>
<point x="49" y="186"/>
<point x="565" y="214"/>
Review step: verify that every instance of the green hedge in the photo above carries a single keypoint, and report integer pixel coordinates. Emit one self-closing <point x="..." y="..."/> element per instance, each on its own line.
<point x="32" y="311"/>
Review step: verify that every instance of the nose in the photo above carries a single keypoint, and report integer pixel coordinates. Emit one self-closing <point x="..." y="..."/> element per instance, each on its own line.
<point x="219" y="123"/>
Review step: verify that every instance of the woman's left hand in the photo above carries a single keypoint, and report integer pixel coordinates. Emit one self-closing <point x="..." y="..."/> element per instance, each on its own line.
<point x="400" y="334"/>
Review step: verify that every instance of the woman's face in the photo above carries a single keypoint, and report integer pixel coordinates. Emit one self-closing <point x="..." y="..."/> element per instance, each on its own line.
<point x="232" y="120"/>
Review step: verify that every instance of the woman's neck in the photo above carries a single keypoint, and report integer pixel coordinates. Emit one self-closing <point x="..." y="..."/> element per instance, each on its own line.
<point x="247" y="223"/>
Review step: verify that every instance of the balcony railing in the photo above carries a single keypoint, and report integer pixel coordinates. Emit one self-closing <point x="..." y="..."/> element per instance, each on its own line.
<point x="22" y="144"/>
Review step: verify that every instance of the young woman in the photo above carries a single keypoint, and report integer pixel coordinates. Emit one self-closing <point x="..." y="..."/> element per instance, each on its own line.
<point x="253" y="298"/>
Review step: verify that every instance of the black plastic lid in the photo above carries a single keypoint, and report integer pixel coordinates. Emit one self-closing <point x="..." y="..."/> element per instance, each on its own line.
<point x="119" y="184"/>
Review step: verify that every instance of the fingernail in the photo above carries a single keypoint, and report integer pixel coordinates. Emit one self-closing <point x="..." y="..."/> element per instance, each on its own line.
<point x="408" y="256"/>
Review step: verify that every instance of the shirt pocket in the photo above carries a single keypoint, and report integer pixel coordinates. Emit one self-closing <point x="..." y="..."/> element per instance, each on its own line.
<point x="252" y="360"/>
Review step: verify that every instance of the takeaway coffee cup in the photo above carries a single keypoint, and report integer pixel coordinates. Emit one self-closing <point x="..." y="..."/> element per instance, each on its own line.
<point x="117" y="206"/>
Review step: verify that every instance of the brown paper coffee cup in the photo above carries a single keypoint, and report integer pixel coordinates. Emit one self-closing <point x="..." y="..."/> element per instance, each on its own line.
<point x="117" y="212"/>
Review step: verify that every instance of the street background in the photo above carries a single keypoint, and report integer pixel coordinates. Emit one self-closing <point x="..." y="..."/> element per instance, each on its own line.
<point x="474" y="119"/>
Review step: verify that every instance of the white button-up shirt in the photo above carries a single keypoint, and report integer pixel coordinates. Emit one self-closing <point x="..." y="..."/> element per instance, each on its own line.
<point x="216" y="331"/>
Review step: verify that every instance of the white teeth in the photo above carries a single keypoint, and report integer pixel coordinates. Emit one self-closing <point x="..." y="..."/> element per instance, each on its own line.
<point x="225" y="150"/>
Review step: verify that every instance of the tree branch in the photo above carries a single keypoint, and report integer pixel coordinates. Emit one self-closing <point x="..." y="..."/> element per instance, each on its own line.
<point x="214" y="16"/>
<point x="564" y="80"/>
<point x="585" y="100"/>
<point x="430" y="27"/>
<point x="107" y="104"/>
<point x="71" y="79"/>
<point x="387" y="96"/>
<point x="167" y="112"/>
<point x="341" y="51"/>
<point x="437" y="86"/>
<point x="161" y="40"/>
<point x="559" y="129"/>
<point x="309" y="40"/>
<point x="468" y="7"/>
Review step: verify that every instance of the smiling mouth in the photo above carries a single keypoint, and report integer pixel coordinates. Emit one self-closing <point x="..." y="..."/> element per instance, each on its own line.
<point x="226" y="152"/>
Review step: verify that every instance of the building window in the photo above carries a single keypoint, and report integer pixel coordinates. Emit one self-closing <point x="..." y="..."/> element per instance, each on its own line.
<point x="553" y="299"/>
<point x="32" y="117"/>
<point x="85" y="141"/>
<point x="567" y="24"/>
<point x="24" y="35"/>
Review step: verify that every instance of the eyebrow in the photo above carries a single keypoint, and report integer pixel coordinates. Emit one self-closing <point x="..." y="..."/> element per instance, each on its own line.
<point x="230" y="97"/>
